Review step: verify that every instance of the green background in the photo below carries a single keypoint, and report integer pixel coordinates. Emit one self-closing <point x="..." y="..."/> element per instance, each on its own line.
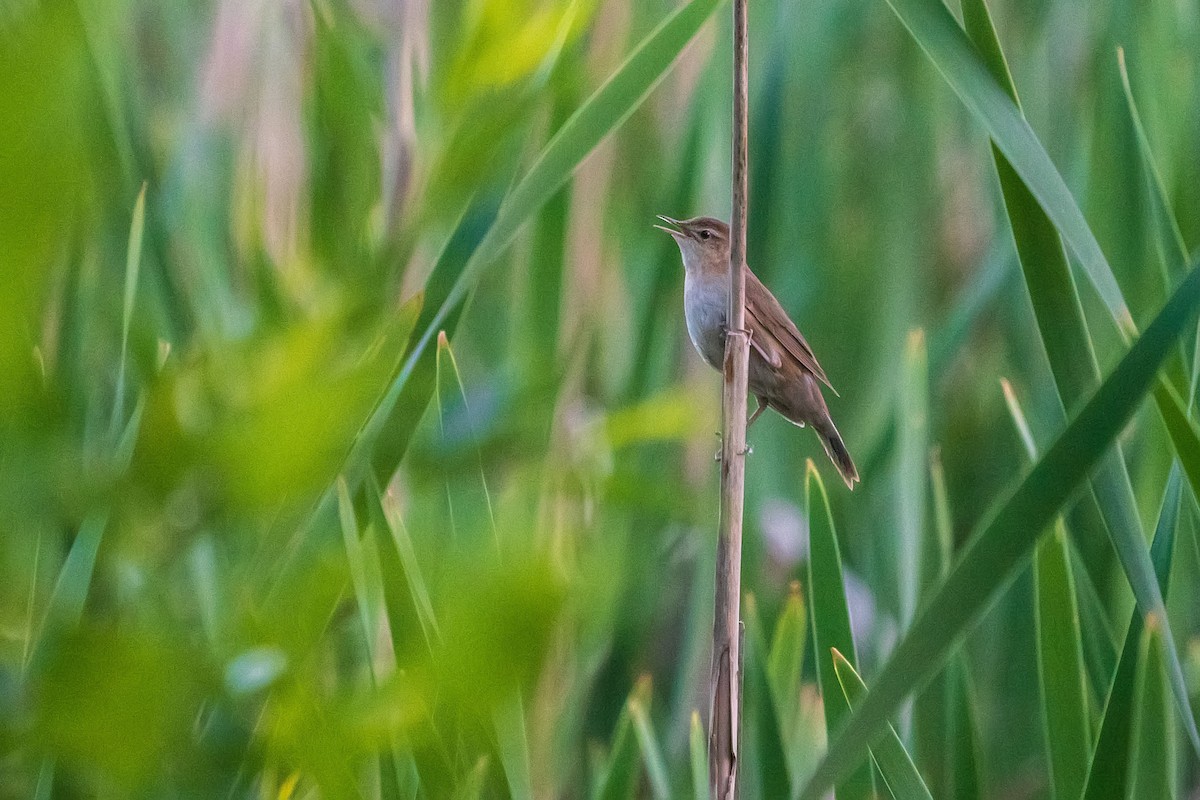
<point x="264" y="532"/>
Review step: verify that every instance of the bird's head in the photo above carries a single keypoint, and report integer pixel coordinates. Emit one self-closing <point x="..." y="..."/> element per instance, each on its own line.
<point x="703" y="243"/>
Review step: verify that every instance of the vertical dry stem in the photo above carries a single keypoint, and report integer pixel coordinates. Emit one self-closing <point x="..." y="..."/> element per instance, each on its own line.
<point x="725" y="686"/>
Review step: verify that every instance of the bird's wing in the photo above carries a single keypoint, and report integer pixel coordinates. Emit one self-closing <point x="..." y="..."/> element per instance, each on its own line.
<point x="775" y="329"/>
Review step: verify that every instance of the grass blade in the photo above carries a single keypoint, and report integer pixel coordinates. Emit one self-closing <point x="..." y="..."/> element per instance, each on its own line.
<point x="1060" y="664"/>
<point x="1183" y="431"/>
<point x="75" y="578"/>
<point x="830" y="619"/>
<point x="470" y="502"/>
<point x="1152" y="755"/>
<point x="914" y="567"/>
<point x="895" y="765"/>
<point x="472" y="787"/>
<point x="785" y="659"/>
<point x="369" y="599"/>
<point x="656" y="767"/>
<point x="963" y="758"/>
<point x="931" y="714"/>
<point x="366" y="576"/>
<point x="698" y="758"/>
<point x="133" y="261"/>
<point x="70" y="591"/>
<point x="1007" y="536"/>
<point x="45" y="781"/>
<point x="1171" y="242"/>
<point x="508" y="719"/>
<point x="1108" y="773"/>
<point x="386" y="436"/>
<point x="471" y="510"/>
<point x="1099" y="642"/>
<point x="942" y="521"/>
<point x="624" y="760"/>
<point x="411" y="567"/>
<point x="762" y="731"/>
<point x="1059" y="645"/>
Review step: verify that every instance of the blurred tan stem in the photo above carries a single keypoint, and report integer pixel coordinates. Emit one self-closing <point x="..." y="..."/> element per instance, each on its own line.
<point x="726" y="679"/>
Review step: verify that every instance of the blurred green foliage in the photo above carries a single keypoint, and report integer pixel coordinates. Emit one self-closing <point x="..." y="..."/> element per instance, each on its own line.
<point x="351" y="444"/>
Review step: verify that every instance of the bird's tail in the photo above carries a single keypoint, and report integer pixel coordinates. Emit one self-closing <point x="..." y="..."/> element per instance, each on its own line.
<point x="835" y="448"/>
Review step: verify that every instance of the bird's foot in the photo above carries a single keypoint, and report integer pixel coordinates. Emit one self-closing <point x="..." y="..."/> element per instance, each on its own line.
<point x="727" y="331"/>
<point x="749" y="451"/>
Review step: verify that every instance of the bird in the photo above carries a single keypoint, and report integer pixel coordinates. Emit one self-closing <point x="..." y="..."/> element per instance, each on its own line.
<point x="784" y="374"/>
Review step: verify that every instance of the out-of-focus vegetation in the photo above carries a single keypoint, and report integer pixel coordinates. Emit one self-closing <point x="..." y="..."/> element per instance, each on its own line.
<point x="351" y="444"/>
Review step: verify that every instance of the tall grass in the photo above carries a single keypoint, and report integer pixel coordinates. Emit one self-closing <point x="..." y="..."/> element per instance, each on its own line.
<point x="351" y="444"/>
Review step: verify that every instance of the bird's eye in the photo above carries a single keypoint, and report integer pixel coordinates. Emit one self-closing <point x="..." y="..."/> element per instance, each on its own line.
<point x="704" y="234"/>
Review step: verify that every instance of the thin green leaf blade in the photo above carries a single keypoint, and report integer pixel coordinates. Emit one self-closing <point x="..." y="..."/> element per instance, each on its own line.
<point x="936" y="708"/>
<point x="762" y="733"/>
<point x="1171" y="242"/>
<point x="1152" y="755"/>
<point x="942" y="519"/>
<point x="830" y="619"/>
<point x="470" y="499"/>
<point x="1062" y="677"/>
<point x="964" y="757"/>
<point x="133" y="262"/>
<point x="69" y="596"/>
<point x="1060" y="664"/>
<point x="1099" y="641"/>
<point x="471" y="510"/>
<point x="413" y="575"/>
<point x="355" y="558"/>
<point x="656" y="765"/>
<point x="785" y="659"/>
<point x="698" y="758"/>
<point x="915" y="563"/>
<point x="385" y="438"/>
<point x="472" y="787"/>
<point x="1183" y="431"/>
<point x="75" y="579"/>
<point x="625" y="761"/>
<point x="508" y="719"/>
<point x="895" y="765"/>
<point x="1108" y="771"/>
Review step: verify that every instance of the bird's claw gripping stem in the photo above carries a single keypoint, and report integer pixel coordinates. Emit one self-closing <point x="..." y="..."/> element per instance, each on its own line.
<point x="725" y="331"/>
<point x="749" y="451"/>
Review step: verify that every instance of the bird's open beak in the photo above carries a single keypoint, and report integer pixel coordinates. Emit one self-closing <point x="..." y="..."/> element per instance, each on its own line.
<point x="675" y="229"/>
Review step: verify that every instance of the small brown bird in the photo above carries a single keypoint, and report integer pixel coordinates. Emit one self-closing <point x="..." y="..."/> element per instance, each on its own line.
<point x="784" y="373"/>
